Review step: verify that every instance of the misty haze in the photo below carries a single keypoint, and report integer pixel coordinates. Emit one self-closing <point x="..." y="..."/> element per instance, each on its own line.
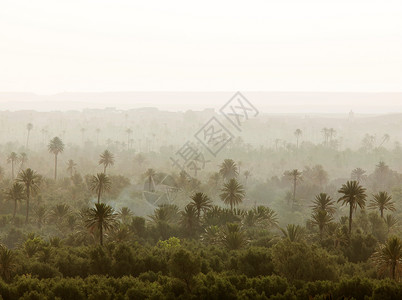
<point x="214" y="150"/>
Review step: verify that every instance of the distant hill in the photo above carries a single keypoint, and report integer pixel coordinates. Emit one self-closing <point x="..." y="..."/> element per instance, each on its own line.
<point x="268" y="102"/>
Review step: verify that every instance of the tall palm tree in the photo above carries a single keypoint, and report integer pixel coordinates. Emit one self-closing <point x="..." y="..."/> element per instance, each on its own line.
<point x="246" y="174"/>
<point x="200" y="202"/>
<point x="353" y="195"/>
<point x="382" y="201"/>
<point x="125" y="214"/>
<point x="358" y="174"/>
<point x="228" y="169"/>
<point x="55" y="146"/>
<point x="102" y="217"/>
<point x="7" y="263"/>
<point x="298" y="133"/>
<point x="295" y="176"/>
<point x="106" y="159"/>
<point x="100" y="183"/>
<point x="324" y="202"/>
<point x="390" y="221"/>
<point x="321" y="218"/>
<point x="13" y="159"/>
<point x="23" y="159"/>
<point x="388" y="257"/>
<point x="293" y="233"/>
<point x="29" y="128"/>
<point x="30" y="179"/>
<point x="232" y="193"/>
<point x="15" y="194"/>
<point x="71" y="167"/>
<point x="150" y="176"/>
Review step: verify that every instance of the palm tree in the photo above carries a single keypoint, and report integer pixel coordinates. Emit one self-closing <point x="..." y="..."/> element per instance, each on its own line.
<point x="59" y="213"/>
<point x="200" y="202"/>
<point x="385" y="139"/>
<point x="298" y="133"/>
<point x="30" y="179"/>
<point x="55" y="146"/>
<point x="390" y="221"/>
<point x="100" y="184"/>
<point x="228" y="169"/>
<point x="29" y="128"/>
<point x="129" y="131"/>
<point x="7" y="263"/>
<point x="353" y="195"/>
<point x="324" y="202"/>
<point x="293" y="233"/>
<point x="246" y="174"/>
<point x="321" y="218"/>
<point x="71" y="167"/>
<point x="15" y="193"/>
<point x="382" y="201"/>
<point x="102" y="217"/>
<point x="295" y="176"/>
<point x="106" y="159"/>
<point x="388" y="257"/>
<point x="40" y="214"/>
<point x="233" y="237"/>
<point x="125" y="214"/>
<point x="232" y="193"/>
<point x="12" y="158"/>
<point x="189" y="219"/>
<point x="358" y="174"/>
<point x="150" y="175"/>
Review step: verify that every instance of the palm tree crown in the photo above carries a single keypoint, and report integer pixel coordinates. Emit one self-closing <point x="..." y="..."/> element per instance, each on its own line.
<point x="388" y="257"/>
<point x="232" y="193"/>
<point x="323" y="202"/>
<point x="102" y="217"/>
<point x="12" y="158"/>
<point x="382" y="201"/>
<point x="106" y="159"/>
<point x="55" y="146"/>
<point x="30" y="179"/>
<point x="353" y="195"/>
<point x="15" y="194"/>
<point x="228" y="169"/>
<point x="100" y="183"/>
<point x="200" y="202"/>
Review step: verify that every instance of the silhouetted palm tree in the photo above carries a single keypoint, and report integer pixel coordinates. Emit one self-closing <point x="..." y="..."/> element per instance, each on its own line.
<point x="23" y="160"/>
<point x="298" y="133"/>
<point x="106" y="159"/>
<point x="321" y="218"/>
<point x="324" y="202"/>
<point x="189" y="219"/>
<point x="382" y="201"/>
<point x="200" y="202"/>
<point x="228" y="169"/>
<point x="388" y="257"/>
<point x="29" y="128"/>
<point x="391" y="222"/>
<point x="358" y="174"/>
<point x="30" y="179"/>
<point x="295" y="176"/>
<point x="353" y="195"/>
<point x="55" y="146"/>
<point x="71" y="167"/>
<point x="125" y="214"/>
<point x="13" y="159"/>
<point x="15" y="194"/>
<point x="100" y="183"/>
<point x="232" y="193"/>
<point x="102" y="217"/>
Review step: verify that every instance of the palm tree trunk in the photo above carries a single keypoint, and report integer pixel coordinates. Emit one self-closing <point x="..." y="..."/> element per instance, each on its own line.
<point x="12" y="168"/>
<point x="294" y="189"/>
<point x="27" y="215"/>
<point x="55" y="167"/>
<point x="350" y="218"/>
<point x="26" y="146"/>
<point x="99" y="194"/>
<point x="101" y="234"/>
<point x="393" y="270"/>
<point x="382" y="213"/>
<point x="104" y="169"/>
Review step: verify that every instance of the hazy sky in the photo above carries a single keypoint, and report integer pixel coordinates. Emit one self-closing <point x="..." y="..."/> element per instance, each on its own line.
<point x="49" y="46"/>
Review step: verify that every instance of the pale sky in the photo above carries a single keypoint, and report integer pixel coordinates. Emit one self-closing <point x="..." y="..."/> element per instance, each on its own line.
<point x="49" y="46"/>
